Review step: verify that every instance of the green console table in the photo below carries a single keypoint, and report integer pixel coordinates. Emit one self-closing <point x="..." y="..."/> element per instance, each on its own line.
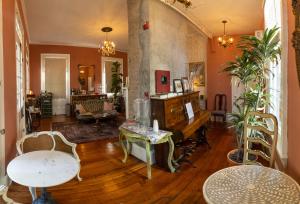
<point x="131" y="132"/>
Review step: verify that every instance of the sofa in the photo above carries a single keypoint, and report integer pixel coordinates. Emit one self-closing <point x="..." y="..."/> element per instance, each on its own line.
<point x="87" y="109"/>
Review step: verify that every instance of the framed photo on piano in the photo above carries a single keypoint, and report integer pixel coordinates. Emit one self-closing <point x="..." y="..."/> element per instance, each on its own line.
<point x="185" y="84"/>
<point x="177" y="86"/>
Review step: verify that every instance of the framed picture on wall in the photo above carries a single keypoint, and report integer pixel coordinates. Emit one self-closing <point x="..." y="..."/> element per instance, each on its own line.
<point x="177" y="86"/>
<point x="296" y="35"/>
<point x="197" y="75"/>
<point x="185" y="84"/>
<point x="162" y="81"/>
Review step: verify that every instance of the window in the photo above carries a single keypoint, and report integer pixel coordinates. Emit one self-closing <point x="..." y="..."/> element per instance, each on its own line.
<point x="19" y="70"/>
<point x="27" y="70"/>
<point x="274" y="16"/>
<point x="20" y="75"/>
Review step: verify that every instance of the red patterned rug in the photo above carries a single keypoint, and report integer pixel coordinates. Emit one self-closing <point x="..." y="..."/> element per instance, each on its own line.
<point x="87" y="132"/>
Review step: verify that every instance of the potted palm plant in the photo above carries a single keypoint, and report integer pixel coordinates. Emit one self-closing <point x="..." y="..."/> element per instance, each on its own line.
<point x="252" y="69"/>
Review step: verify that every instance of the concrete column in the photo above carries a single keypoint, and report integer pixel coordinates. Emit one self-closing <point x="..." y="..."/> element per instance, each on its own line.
<point x="138" y="50"/>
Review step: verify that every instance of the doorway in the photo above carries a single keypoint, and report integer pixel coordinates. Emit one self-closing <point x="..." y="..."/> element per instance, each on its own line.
<point x="55" y="78"/>
<point x="106" y="72"/>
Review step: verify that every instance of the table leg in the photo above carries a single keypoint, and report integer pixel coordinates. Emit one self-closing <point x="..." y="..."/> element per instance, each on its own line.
<point x="171" y="152"/>
<point x="32" y="191"/>
<point x="121" y="136"/>
<point x="148" y="156"/>
<point x="45" y="198"/>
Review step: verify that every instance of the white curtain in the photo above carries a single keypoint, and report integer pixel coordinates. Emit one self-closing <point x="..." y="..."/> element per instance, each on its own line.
<point x="275" y="16"/>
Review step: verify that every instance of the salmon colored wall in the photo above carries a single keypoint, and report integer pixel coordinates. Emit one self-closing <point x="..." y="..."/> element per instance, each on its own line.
<point x="9" y="54"/>
<point x="78" y="55"/>
<point x="218" y="81"/>
<point x="293" y="104"/>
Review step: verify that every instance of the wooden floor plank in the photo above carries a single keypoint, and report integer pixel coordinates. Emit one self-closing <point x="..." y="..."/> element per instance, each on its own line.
<point x="107" y="180"/>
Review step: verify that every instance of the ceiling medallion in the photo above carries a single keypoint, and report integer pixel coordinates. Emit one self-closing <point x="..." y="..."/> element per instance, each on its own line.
<point x="108" y="47"/>
<point x="186" y="3"/>
<point x="225" y="40"/>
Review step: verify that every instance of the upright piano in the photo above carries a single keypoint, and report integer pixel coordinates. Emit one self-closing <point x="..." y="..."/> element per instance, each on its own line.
<point x="171" y="115"/>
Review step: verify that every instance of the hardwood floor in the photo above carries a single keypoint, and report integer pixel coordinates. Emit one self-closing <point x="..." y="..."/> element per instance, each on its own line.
<point x="107" y="180"/>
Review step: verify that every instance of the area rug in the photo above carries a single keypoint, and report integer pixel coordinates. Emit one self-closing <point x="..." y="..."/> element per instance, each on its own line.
<point x="86" y="132"/>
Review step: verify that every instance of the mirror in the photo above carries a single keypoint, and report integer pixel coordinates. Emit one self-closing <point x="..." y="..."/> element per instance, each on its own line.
<point x="296" y="34"/>
<point x="86" y="78"/>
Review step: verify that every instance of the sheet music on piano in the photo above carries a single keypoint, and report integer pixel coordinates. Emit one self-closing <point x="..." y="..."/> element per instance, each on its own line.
<point x="189" y="110"/>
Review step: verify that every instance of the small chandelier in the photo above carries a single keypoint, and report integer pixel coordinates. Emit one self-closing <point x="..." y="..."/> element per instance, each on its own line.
<point x="186" y="3"/>
<point x="108" y="47"/>
<point x="225" y="40"/>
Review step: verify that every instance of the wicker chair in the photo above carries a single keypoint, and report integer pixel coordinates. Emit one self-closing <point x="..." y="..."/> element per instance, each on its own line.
<point x="265" y="136"/>
<point x="47" y="140"/>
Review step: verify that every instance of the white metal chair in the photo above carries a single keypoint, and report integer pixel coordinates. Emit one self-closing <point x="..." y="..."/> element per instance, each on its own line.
<point x="47" y="140"/>
<point x="3" y="194"/>
<point x="265" y="135"/>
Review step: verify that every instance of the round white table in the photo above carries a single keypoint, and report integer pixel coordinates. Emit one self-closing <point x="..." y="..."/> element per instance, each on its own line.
<point x="250" y="184"/>
<point x="42" y="169"/>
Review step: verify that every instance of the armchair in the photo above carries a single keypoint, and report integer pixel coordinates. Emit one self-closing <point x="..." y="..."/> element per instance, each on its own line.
<point x="47" y="140"/>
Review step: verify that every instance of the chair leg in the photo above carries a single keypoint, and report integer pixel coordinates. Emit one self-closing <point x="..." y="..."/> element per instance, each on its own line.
<point x="78" y="176"/>
<point x="201" y="136"/>
<point x="3" y="193"/>
<point x="32" y="191"/>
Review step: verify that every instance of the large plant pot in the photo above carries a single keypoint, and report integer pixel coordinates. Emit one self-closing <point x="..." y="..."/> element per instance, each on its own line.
<point x="232" y="162"/>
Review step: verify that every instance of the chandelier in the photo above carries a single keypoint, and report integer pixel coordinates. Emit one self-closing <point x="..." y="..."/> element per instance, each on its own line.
<point x="108" y="47"/>
<point x="186" y="3"/>
<point x="225" y="40"/>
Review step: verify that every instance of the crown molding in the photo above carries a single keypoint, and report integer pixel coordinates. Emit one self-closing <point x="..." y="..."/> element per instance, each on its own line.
<point x="82" y="45"/>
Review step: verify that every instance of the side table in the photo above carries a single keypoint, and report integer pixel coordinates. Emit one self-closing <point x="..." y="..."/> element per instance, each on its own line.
<point x="132" y="133"/>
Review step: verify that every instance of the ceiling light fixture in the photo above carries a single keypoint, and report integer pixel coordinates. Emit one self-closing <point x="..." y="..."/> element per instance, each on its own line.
<point x="108" y="47"/>
<point x="225" y="40"/>
<point x="186" y="3"/>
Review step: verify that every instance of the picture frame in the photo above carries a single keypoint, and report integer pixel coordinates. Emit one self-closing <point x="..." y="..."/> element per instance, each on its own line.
<point x="296" y="35"/>
<point x="185" y="84"/>
<point x="162" y="81"/>
<point x="177" y="86"/>
<point x="86" y="77"/>
<point x="197" y="75"/>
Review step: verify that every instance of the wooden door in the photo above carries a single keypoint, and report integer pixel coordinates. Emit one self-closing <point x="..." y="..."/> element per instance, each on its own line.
<point x="2" y="130"/>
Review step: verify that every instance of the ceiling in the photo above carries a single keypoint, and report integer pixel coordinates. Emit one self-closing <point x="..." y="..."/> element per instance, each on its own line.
<point x="243" y="16"/>
<point x="79" y="22"/>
